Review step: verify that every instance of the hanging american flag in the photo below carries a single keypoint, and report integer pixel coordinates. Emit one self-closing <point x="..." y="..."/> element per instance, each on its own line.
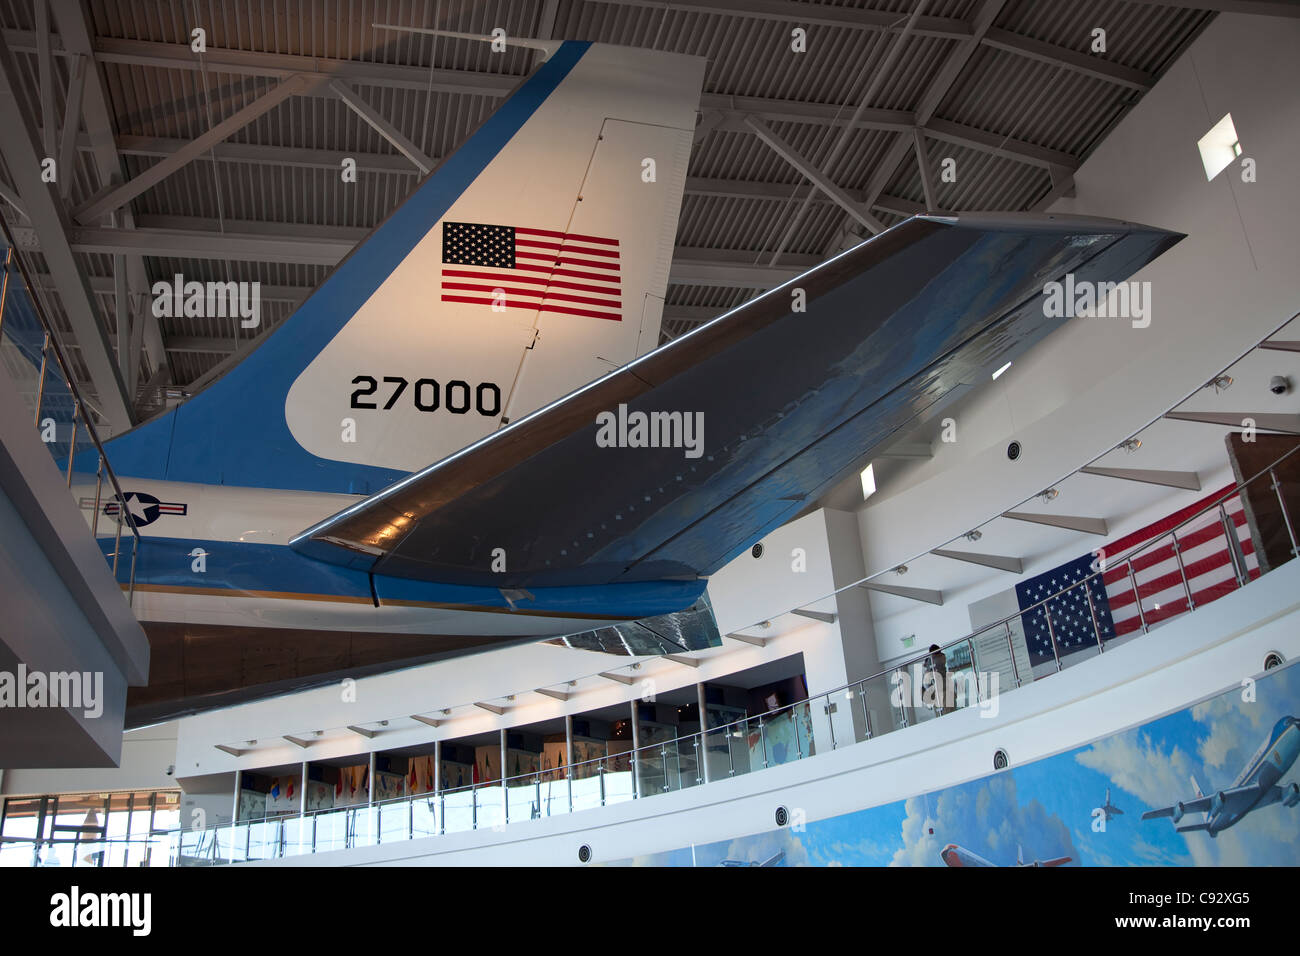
<point x="1071" y="619"/>
<point x="538" y="269"/>
<point x="1203" y="548"/>
<point x="1206" y="561"/>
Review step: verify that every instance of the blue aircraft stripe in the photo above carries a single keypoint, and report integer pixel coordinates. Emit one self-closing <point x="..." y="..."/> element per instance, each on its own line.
<point x="234" y="432"/>
<point x="253" y="566"/>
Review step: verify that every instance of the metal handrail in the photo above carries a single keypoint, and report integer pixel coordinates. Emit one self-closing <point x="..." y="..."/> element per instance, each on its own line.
<point x="51" y="343"/>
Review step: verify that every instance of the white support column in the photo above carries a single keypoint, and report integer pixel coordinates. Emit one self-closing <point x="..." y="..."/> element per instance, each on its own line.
<point x="568" y="756"/>
<point x="437" y="780"/>
<point x="704" y="727"/>
<point x="636" y="745"/>
<point x="234" y="813"/>
<point x="505" y="795"/>
<point x="302" y="808"/>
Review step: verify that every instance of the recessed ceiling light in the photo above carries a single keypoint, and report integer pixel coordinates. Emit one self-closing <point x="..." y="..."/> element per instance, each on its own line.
<point x="868" y="481"/>
<point x="1001" y="370"/>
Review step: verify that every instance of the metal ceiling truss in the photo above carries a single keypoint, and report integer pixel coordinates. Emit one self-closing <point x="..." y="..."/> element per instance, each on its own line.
<point x="128" y="239"/>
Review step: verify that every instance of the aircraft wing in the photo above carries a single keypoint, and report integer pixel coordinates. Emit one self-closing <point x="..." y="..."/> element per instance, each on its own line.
<point x="791" y="391"/>
<point x="1199" y="805"/>
<point x="1272" y="795"/>
<point x="1056" y="861"/>
<point x="1203" y="804"/>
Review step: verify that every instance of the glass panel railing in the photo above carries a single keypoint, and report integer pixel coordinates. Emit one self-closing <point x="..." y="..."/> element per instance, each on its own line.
<point x="588" y="785"/>
<point x="553" y="795"/>
<point x="424" y="816"/>
<point x="523" y="797"/>
<point x="332" y="829"/>
<point x="460" y="809"/>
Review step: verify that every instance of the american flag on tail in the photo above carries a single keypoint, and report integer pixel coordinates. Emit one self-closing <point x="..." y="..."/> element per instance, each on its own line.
<point x="1206" y="561"/>
<point x="539" y="269"/>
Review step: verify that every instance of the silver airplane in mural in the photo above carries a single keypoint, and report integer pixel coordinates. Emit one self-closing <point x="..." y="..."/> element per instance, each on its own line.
<point x="1255" y="787"/>
<point x="1107" y="810"/>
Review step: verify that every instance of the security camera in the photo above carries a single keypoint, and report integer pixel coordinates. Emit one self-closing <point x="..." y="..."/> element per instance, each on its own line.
<point x="171" y="769"/>
<point x="1279" y="385"/>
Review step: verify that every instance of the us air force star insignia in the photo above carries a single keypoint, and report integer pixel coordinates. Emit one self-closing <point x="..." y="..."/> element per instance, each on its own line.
<point x="144" y="508"/>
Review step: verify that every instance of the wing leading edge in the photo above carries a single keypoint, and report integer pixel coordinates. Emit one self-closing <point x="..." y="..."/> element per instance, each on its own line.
<point x="788" y="401"/>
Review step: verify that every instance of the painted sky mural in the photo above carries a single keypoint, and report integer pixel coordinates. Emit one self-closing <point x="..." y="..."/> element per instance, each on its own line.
<point x="1238" y="742"/>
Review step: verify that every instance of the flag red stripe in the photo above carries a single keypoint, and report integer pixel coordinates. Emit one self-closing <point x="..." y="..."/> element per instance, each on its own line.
<point x="564" y="235"/>
<point x="532" y="293"/>
<point x="1204" y="596"/>
<point x="1165" y="524"/>
<point x="544" y="307"/>
<point x="566" y="260"/>
<point x="564" y="310"/>
<point x="508" y="276"/>
<point x="1186" y="542"/>
<point x="566" y="247"/>
<point x="571" y="273"/>
<point x="1171" y="579"/>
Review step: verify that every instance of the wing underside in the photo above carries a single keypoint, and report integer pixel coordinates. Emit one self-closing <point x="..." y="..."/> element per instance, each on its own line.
<point x="768" y="405"/>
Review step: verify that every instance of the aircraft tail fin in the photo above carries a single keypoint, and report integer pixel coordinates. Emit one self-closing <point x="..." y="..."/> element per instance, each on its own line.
<point x="1196" y="788"/>
<point x="532" y="260"/>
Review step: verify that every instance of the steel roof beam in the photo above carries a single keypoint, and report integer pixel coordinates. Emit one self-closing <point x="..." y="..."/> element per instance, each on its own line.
<point x="326" y="245"/>
<point x="74" y="40"/>
<point x="798" y="14"/>
<point x="923" y="167"/>
<point x="1083" y="63"/>
<point x="22" y="154"/>
<point x="387" y="130"/>
<point x="283" y="65"/>
<point x="934" y="94"/>
<point x="814" y="175"/>
<point x="1264" y="8"/>
<point x="115" y="196"/>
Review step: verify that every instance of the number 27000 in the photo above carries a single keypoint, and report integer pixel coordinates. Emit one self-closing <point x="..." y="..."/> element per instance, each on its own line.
<point x="428" y="395"/>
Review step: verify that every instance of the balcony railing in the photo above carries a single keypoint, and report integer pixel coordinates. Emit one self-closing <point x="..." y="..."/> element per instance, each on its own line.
<point x="34" y="358"/>
<point x="923" y="688"/>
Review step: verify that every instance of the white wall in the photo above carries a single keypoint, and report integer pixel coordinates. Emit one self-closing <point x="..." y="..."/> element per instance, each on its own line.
<point x="146" y="755"/>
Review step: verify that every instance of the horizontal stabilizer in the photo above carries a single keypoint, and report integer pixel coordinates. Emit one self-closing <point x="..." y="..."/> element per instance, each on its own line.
<point x="673" y="464"/>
